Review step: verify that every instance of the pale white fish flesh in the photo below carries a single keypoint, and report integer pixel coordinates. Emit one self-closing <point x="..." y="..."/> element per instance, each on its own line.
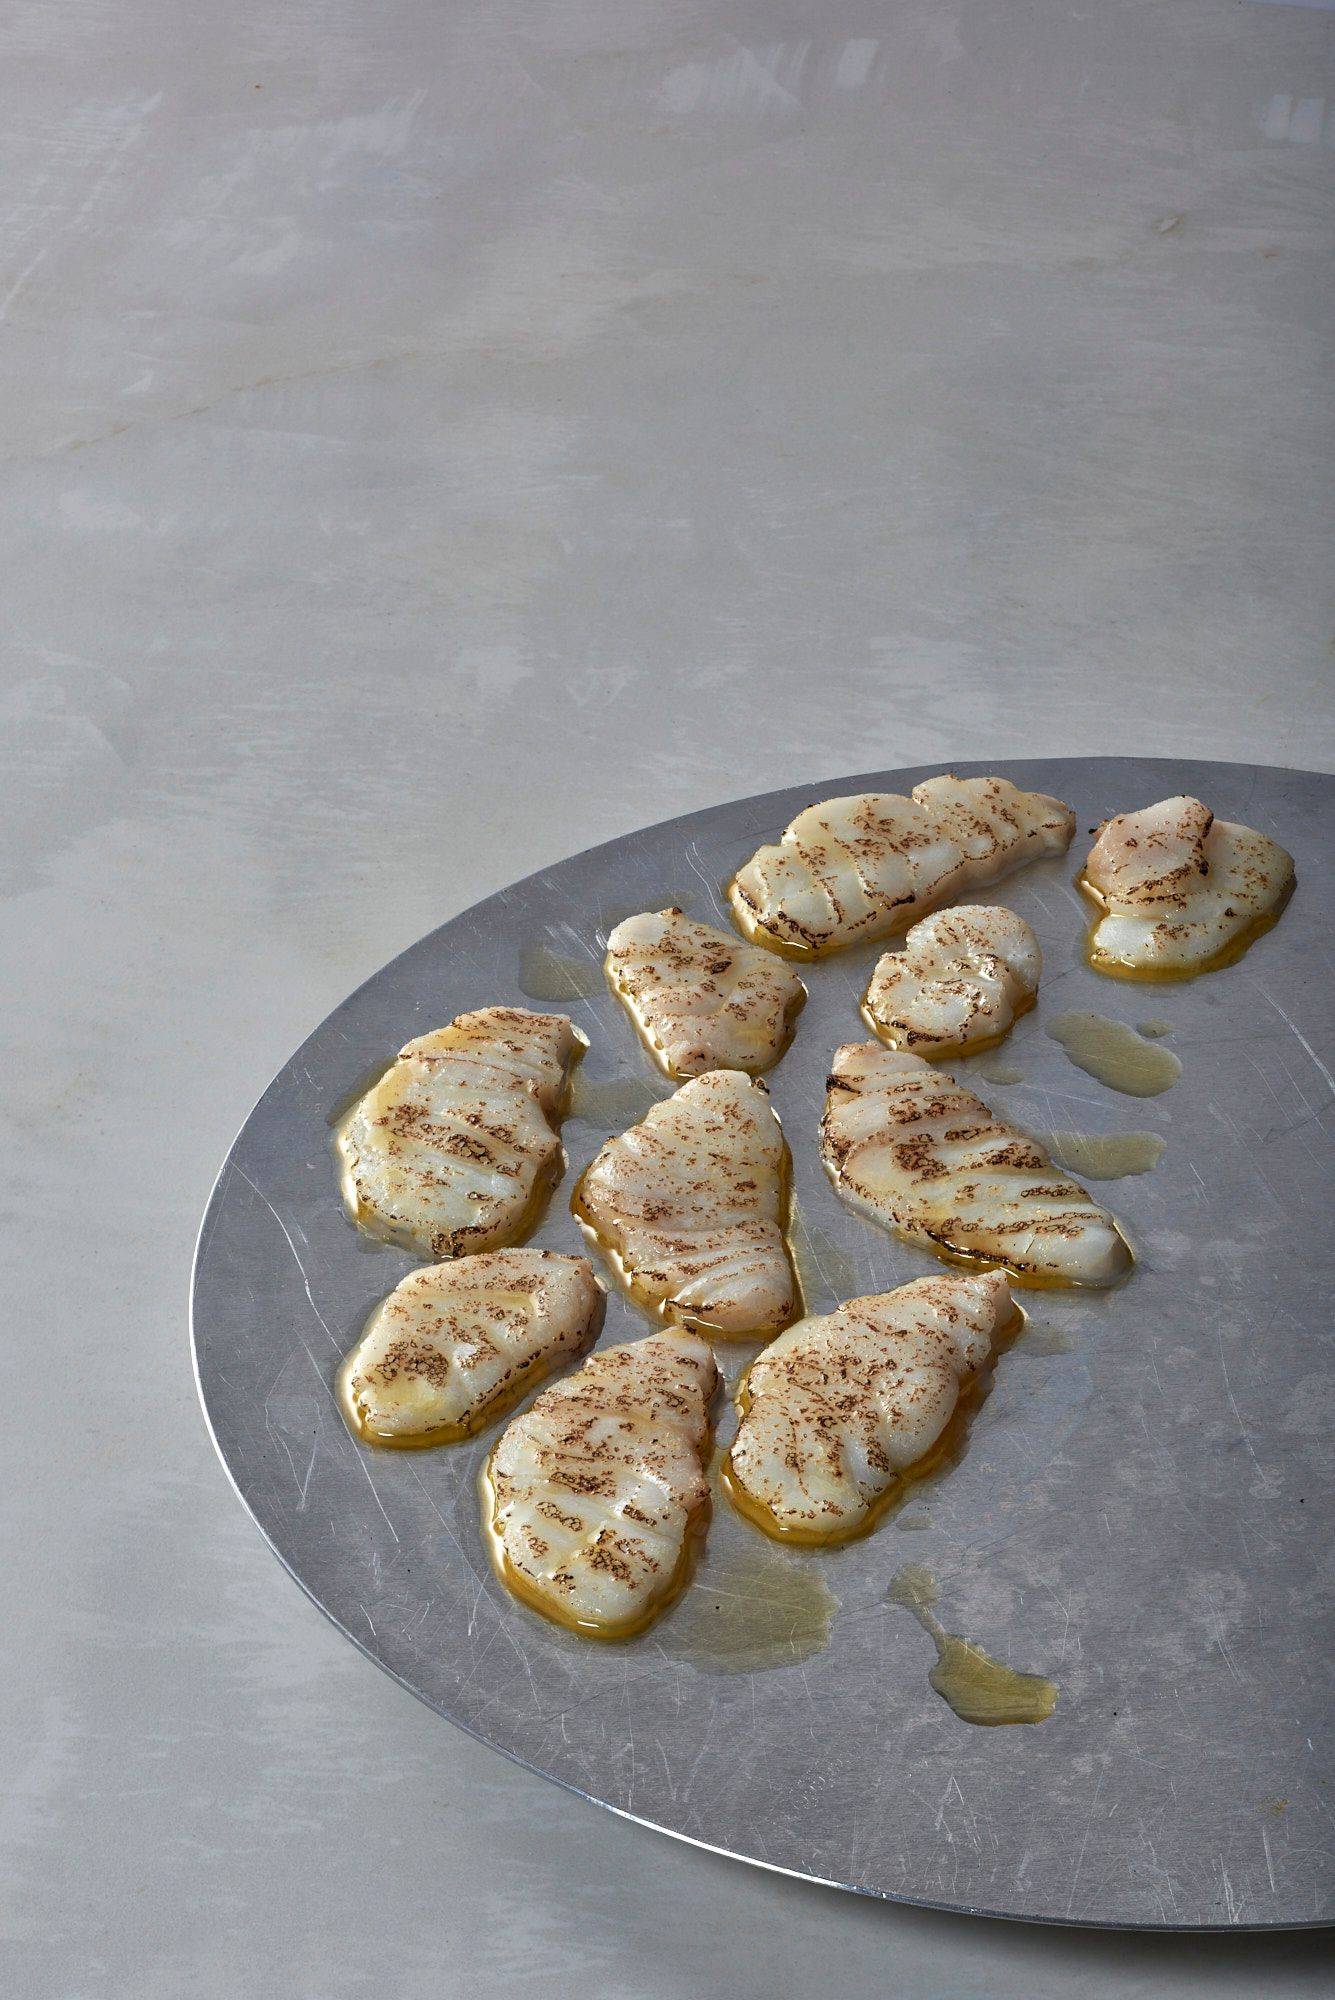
<point x="960" y="979"/>
<point x="691" y="1206"/>
<point x="593" y="1496"/>
<point x="838" y="1408"/>
<point x="912" y="1149"/>
<point x="700" y="999"/>
<point x="454" y="1344"/>
<point x="1179" y="888"/>
<point x="455" y="1148"/>
<point x="857" y="868"/>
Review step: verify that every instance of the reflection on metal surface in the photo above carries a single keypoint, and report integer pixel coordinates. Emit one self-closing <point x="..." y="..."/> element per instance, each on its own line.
<point x="545" y="974"/>
<point x="752" y="1609"/>
<point x="611" y="1104"/>
<point x="1129" y="1436"/>
<point x="825" y="1268"/>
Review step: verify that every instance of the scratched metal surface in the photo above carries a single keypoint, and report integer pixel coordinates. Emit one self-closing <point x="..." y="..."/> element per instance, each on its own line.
<point x="1142" y="1512"/>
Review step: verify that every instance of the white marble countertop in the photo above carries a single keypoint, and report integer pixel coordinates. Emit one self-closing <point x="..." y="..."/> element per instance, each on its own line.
<point x="438" y="437"/>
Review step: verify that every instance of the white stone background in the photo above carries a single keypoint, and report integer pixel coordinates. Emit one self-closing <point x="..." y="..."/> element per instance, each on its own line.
<point x="437" y="437"/>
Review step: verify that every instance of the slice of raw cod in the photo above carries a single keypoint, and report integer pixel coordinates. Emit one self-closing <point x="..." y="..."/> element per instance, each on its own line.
<point x="455" y="1344"/>
<point x="839" y="1407"/>
<point x="594" y="1497"/>
<point x="909" y="1147"/>
<point x="690" y="1206"/>
<point x="1181" y="891"/>
<point x="699" y="998"/>
<point x="852" y="869"/>
<point x="455" y="1148"/>
<point x="958" y="983"/>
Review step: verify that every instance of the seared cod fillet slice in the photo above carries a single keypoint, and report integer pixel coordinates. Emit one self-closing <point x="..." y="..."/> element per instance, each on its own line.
<point x="690" y="1206"/>
<point x="455" y="1147"/>
<point x="454" y="1344"/>
<point x="959" y="982"/>
<point x="700" y="999"/>
<point x="912" y="1149"/>
<point x="837" y="1408"/>
<point x="857" y="868"/>
<point x="593" y="1496"/>
<point x="1181" y="890"/>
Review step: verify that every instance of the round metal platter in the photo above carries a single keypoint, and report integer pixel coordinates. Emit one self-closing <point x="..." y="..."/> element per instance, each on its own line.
<point x="1139" y="1513"/>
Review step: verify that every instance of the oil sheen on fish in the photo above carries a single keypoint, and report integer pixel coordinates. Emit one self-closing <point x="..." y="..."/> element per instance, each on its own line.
<point x="1181" y="892"/>
<point x="839" y="1408"/>
<point x="912" y="1149"/>
<point x="455" y="1148"/>
<point x="690" y="1205"/>
<point x="594" y="1496"/>
<point x="700" y="999"/>
<point x="958" y="983"/>
<point x="455" y="1344"/>
<point x="857" y="868"/>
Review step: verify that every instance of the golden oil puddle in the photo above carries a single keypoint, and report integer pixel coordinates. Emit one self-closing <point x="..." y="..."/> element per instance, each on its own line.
<point x="823" y="1265"/>
<point x="1115" y="1054"/>
<point x="1153" y="1029"/>
<point x="751" y="1609"/>
<point x="1105" y="1156"/>
<point x="993" y="1071"/>
<point x="545" y="974"/>
<point x="1039" y="1339"/>
<point x="733" y="1358"/>
<point x="611" y="1103"/>
<point x="980" y="1689"/>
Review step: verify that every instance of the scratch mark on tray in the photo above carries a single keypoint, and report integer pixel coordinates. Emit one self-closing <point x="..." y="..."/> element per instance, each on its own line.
<point x="1080" y="1858"/>
<point x="296" y="1256"/>
<point x="1300" y="1038"/>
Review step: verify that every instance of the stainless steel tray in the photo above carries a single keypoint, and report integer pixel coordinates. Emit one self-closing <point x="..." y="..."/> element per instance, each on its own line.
<point x="1141" y="1513"/>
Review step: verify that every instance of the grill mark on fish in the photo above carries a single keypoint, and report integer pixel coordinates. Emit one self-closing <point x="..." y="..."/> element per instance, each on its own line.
<point x="700" y="1000"/>
<point x="454" y="1149"/>
<point x="690" y="1205"/>
<point x="860" y="867"/>
<point x="611" y="1462"/>
<point x="1179" y="892"/>
<point x="962" y="1182"/>
<point x="841" y="1411"/>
